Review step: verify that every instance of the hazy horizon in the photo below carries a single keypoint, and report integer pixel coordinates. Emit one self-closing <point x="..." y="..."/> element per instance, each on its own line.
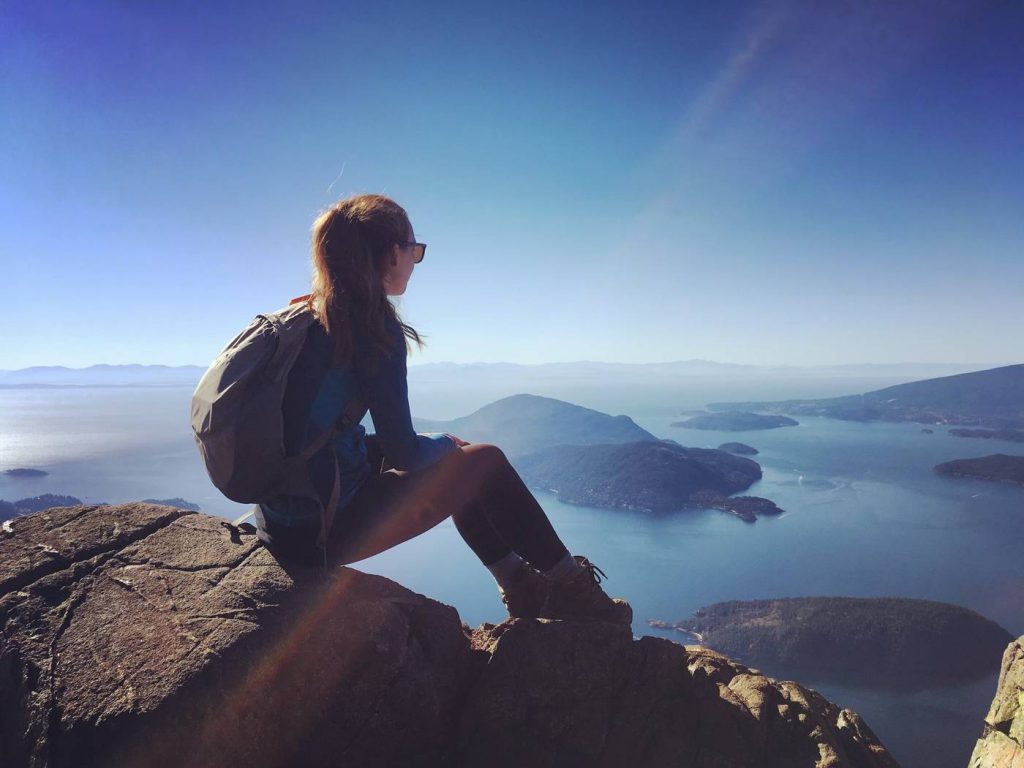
<point x="691" y="361"/>
<point x="776" y="182"/>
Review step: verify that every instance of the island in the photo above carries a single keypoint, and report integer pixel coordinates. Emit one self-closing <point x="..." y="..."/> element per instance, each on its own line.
<point x="992" y="398"/>
<point x="746" y="508"/>
<point x="25" y="472"/>
<point x="735" y="421"/>
<point x="883" y="643"/>
<point x="1010" y="435"/>
<point x="645" y="476"/>
<point x="999" y="468"/>
<point x="741" y="449"/>
<point x="524" y="423"/>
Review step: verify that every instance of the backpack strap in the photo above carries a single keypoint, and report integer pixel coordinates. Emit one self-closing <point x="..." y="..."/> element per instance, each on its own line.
<point x="296" y="475"/>
<point x="353" y="411"/>
<point x="327" y="516"/>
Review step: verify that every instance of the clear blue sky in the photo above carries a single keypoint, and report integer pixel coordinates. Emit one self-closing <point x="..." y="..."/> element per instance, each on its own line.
<point x="772" y="182"/>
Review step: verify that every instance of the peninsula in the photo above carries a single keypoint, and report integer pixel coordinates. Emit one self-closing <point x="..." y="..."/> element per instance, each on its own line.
<point x="1010" y="435"/>
<point x="740" y="449"/>
<point x="735" y="421"/>
<point x="999" y="468"/>
<point x="991" y="398"/>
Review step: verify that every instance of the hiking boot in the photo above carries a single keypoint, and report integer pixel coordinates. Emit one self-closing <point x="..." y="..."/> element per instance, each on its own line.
<point x="527" y="593"/>
<point x="582" y="599"/>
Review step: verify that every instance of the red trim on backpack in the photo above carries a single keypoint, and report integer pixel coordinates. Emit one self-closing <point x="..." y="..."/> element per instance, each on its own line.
<point x="299" y="298"/>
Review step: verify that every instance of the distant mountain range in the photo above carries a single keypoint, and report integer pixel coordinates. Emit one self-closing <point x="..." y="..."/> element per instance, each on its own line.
<point x="991" y="398"/>
<point x="102" y="376"/>
<point x="482" y="373"/>
<point x="706" y="368"/>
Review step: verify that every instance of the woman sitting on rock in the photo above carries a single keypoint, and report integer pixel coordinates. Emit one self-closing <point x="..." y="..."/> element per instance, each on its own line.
<point x="364" y="250"/>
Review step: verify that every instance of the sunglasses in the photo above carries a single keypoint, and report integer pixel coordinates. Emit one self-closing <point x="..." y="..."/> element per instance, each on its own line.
<point x="420" y="250"/>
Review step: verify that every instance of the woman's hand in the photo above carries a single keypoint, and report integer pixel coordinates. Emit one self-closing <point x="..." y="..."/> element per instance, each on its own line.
<point x="459" y="442"/>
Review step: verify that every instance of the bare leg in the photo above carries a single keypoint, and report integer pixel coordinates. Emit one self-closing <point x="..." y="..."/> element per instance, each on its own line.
<point x="490" y="504"/>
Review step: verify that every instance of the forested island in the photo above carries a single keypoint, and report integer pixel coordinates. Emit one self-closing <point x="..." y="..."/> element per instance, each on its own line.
<point x="885" y="642"/>
<point x="9" y="509"/>
<point x="645" y="476"/>
<point x="25" y="472"/>
<point x="999" y="468"/>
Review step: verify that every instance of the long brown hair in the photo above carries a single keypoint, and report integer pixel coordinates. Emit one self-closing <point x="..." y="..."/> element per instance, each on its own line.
<point x="352" y="243"/>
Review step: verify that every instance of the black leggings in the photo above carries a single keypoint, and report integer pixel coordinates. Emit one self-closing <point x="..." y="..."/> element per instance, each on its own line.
<point x="492" y="509"/>
<point x="507" y="518"/>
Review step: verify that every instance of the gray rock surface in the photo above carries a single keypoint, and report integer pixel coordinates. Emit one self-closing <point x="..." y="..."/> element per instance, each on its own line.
<point x="144" y="635"/>
<point x="1002" y="741"/>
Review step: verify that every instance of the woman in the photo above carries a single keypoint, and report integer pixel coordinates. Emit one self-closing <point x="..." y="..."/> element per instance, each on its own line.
<point x="364" y="250"/>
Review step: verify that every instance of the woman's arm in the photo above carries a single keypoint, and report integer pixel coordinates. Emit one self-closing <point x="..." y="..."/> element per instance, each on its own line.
<point x="387" y="397"/>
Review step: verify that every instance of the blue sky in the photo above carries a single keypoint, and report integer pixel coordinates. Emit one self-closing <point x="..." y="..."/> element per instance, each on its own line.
<point x="769" y="182"/>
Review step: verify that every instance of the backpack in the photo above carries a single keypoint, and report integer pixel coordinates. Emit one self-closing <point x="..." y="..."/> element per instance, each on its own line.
<point x="237" y="417"/>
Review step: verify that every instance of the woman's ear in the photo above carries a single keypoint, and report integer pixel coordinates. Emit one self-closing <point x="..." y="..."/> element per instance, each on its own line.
<point x="396" y="253"/>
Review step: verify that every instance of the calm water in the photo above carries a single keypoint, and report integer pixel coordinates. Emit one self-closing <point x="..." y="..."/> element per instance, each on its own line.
<point x="866" y="516"/>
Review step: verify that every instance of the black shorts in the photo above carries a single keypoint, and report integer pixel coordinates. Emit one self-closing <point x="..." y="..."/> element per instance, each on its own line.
<point x="297" y="544"/>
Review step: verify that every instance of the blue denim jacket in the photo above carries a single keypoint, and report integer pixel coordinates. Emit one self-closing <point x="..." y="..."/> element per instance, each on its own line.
<point x="315" y="396"/>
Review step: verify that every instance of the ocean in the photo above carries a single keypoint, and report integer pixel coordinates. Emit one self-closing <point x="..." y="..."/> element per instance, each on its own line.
<point x="865" y="517"/>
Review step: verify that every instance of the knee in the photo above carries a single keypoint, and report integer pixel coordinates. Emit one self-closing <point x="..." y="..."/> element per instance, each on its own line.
<point x="486" y="458"/>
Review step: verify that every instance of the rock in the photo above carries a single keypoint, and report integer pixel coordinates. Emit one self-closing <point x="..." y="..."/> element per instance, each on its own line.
<point x="1002" y="741"/>
<point x="561" y="693"/>
<point x="177" y="501"/>
<point x="145" y="635"/>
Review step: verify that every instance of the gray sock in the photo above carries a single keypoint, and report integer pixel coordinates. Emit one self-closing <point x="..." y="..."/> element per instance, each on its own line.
<point x="505" y="570"/>
<point x="564" y="569"/>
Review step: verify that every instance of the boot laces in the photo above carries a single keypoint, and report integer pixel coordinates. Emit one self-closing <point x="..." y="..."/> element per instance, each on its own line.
<point x="593" y="570"/>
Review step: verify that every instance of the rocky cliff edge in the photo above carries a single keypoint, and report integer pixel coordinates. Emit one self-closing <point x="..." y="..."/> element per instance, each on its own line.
<point x="143" y="635"/>
<point x="1002" y="742"/>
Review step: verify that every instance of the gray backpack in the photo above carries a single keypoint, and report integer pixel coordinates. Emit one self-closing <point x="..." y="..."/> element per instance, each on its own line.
<point x="237" y="417"/>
